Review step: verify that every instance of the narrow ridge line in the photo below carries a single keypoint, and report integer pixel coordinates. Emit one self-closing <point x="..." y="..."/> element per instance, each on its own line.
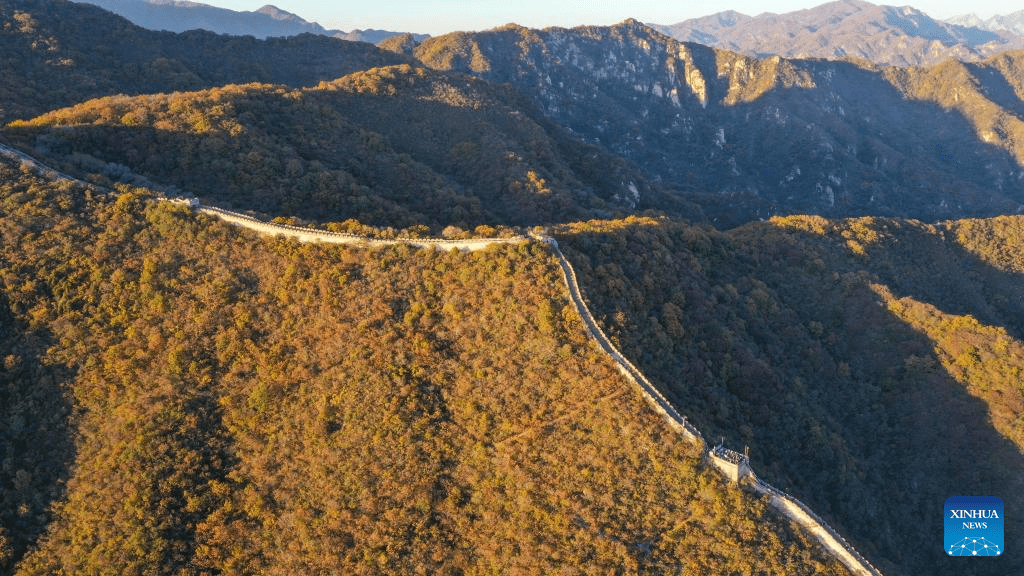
<point x="786" y="504"/>
<point x="789" y="506"/>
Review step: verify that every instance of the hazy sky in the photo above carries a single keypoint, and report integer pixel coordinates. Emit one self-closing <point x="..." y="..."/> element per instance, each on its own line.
<point x="437" y="17"/>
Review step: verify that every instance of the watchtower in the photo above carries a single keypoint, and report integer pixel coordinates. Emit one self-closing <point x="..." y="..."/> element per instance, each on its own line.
<point x="734" y="465"/>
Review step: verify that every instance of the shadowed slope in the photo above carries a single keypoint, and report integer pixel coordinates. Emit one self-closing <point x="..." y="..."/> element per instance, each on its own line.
<point x="56" y="53"/>
<point x="396" y="146"/>
<point x="863" y="385"/>
<point x="749" y="138"/>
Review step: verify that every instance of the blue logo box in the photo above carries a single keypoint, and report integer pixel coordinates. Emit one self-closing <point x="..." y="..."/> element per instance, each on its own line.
<point x="974" y="526"/>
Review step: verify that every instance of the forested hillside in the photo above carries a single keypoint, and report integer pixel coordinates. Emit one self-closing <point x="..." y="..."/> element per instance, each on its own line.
<point x="178" y="396"/>
<point x="743" y="138"/>
<point x="56" y="53"/>
<point x="183" y="398"/>
<point x="873" y="366"/>
<point x="480" y="154"/>
<point x="749" y="138"/>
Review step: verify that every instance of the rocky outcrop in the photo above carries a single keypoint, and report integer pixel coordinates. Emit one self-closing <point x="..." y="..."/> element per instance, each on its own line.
<point x="749" y="138"/>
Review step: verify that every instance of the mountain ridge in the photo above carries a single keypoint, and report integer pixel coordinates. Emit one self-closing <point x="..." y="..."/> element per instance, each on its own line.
<point x="178" y="395"/>
<point x="57" y="53"/>
<point x="745" y="138"/>
<point x="889" y="35"/>
<point x="485" y="156"/>
<point x="755" y="137"/>
<point x="266" y="22"/>
<point x="412" y="442"/>
<point x="1013" y="22"/>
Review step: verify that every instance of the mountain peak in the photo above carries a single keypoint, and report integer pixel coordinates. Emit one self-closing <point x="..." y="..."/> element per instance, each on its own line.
<point x="266" y="22"/>
<point x="635" y="26"/>
<point x="730" y="18"/>
<point x="630" y="23"/>
<point x="509" y="26"/>
<point x="278" y="14"/>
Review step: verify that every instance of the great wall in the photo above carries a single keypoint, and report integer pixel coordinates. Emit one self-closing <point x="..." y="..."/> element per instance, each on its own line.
<point x="311" y="235"/>
<point x="731" y="464"/>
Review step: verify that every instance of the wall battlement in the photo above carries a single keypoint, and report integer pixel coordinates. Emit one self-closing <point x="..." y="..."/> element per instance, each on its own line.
<point x="733" y="465"/>
<point x="328" y="237"/>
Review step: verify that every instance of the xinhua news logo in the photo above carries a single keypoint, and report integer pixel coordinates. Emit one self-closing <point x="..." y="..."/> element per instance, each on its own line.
<point x="974" y="526"/>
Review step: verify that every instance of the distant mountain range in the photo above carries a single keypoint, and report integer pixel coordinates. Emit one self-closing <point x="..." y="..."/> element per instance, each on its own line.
<point x="1011" y="22"/>
<point x="901" y="36"/>
<point x="267" y="22"/>
<point x="741" y="137"/>
<point x="62" y="53"/>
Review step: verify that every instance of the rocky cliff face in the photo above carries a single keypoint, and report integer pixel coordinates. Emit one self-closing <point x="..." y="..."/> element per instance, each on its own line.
<point x="751" y="137"/>
<point x="743" y="137"/>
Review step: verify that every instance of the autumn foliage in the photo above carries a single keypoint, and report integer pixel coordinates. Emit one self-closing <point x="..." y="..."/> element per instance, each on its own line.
<point x="222" y="403"/>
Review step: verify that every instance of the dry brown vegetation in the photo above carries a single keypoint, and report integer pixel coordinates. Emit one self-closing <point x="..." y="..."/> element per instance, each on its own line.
<point x="230" y="404"/>
<point x="872" y="365"/>
<point x="342" y="150"/>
